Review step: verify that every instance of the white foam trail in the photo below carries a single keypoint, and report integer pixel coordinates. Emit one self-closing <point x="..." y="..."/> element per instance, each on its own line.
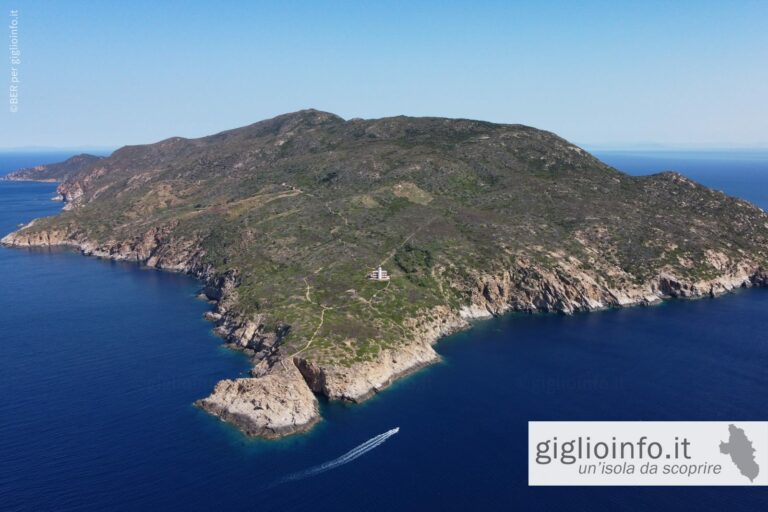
<point x="344" y="459"/>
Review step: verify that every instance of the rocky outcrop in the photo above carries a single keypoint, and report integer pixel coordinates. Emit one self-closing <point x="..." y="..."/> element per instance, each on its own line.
<point x="362" y="380"/>
<point x="44" y="238"/>
<point x="274" y="405"/>
<point x="72" y="190"/>
<point x="564" y="289"/>
<point x="156" y="248"/>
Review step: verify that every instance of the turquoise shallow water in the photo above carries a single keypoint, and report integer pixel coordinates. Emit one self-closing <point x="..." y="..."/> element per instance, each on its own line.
<point x="100" y="362"/>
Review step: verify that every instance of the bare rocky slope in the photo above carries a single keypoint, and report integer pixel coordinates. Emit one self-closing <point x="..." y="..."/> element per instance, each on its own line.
<point x="282" y="220"/>
<point x="53" y="172"/>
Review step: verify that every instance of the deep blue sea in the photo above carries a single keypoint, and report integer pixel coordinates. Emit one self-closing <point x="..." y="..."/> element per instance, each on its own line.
<point x="100" y="363"/>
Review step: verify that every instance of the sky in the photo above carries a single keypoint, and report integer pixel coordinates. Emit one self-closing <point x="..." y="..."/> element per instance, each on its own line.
<point x="600" y="73"/>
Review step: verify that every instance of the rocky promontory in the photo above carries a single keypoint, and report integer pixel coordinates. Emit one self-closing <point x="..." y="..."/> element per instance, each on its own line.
<point x="282" y="221"/>
<point x="55" y="171"/>
<point x="273" y="405"/>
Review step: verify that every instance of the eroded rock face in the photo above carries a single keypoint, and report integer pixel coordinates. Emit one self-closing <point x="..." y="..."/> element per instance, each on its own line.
<point x="274" y="405"/>
<point x="362" y="380"/>
<point x="156" y="248"/>
<point x="24" y="238"/>
<point x="568" y="290"/>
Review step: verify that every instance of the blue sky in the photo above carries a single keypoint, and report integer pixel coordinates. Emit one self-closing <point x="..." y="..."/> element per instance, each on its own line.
<point x="600" y="73"/>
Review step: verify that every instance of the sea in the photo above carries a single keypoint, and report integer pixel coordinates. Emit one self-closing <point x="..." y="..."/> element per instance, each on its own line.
<point x="101" y="361"/>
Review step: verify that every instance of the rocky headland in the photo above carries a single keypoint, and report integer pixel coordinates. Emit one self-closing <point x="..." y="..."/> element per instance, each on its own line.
<point x="281" y="221"/>
<point x="53" y="172"/>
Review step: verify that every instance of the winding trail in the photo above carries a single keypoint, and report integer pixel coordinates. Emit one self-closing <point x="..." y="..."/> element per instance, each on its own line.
<point x="319" y="324"/>
<point x="314" y="334"/>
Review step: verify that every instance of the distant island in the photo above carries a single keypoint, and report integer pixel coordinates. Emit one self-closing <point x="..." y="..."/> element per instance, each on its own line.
<point x="292" y="222"/>
<point x="53" y="172"/>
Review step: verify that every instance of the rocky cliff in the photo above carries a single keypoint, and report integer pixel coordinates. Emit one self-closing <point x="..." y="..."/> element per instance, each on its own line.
<point x="282" y="220"/>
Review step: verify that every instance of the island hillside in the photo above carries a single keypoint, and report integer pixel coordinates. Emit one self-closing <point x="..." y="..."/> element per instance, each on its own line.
<point x="53" y="172"/>
<point x="284" y="219"/>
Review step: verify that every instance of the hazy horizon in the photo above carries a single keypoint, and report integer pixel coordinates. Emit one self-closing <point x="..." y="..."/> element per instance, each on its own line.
<point x="634" y="146"/>
<point x="601" y="74"/>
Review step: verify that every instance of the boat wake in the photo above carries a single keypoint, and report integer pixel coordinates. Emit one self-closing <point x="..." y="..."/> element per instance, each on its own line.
<point x="351" y="455"/>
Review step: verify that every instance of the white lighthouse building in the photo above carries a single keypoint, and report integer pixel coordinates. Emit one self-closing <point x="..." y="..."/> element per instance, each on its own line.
<point x="379" y="275"/>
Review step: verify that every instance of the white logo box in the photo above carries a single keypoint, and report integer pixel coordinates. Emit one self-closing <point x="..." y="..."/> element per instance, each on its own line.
<point x="632" y="453"/>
